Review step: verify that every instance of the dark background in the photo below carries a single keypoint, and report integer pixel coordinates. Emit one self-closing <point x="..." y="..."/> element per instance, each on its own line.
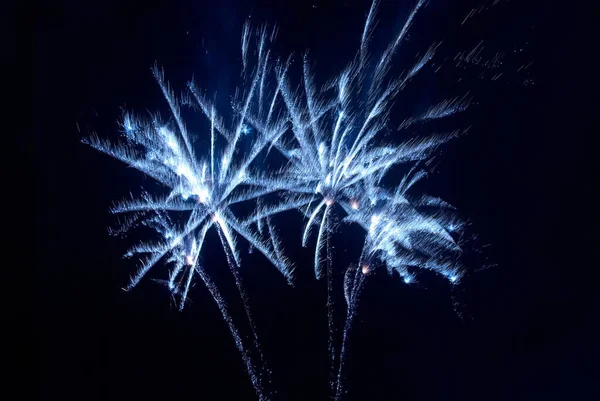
<point x="528" y="331"/>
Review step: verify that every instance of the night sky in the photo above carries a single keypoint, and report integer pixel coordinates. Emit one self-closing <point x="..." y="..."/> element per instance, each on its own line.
<point x="528" y="331"/>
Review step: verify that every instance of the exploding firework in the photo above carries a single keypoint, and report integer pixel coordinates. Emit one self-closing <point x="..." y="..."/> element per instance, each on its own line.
<point x="202" y="188"/>
<point x="404" y="233"/>
<point x="336" y="159"/>
<point x="334" y="149"/>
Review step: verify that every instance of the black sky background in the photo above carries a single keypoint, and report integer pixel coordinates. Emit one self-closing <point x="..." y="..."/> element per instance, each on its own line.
<point x="530" y="332"/>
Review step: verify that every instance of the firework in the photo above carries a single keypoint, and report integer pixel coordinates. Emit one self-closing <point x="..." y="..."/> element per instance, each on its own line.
<point x="334" y="150"/>
<point x="336" y="158"/>
<point x="201" y="188"/>
<point x="331" y="139"/>
<point x="336" y="162"/>
<point x="404" y="233"/>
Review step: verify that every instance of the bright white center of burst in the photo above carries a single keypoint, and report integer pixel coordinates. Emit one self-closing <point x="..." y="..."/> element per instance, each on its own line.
<point x="203" y="194"/>
<point x="189" y="259"/>
<point x="185" y="170"/>
<point x="172" y="144"/>
<point x="407" y="279"/>
<point x="165" y="132"/>
<point x="328" y="201"/>
<point x="453" y="278"/>
<point x="374" y="221"/>
<point x="354" y="205"/>
<point x="365" y="269"/>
